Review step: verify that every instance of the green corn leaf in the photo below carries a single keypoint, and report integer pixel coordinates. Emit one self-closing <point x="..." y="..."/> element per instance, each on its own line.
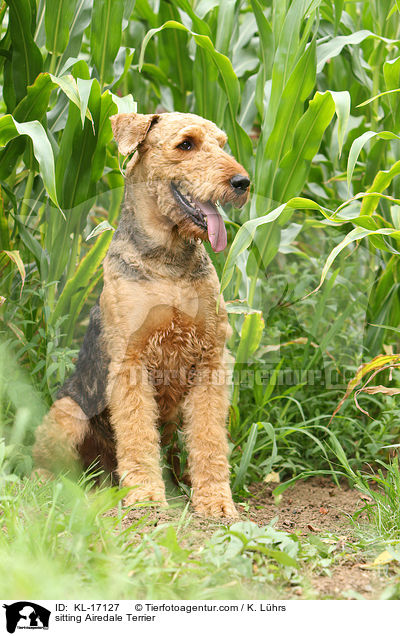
<point x="58" y="20"/>
<point x="80" y="21"/>
<point x="69" y="86"/>
<point x="33" y="106"/>
<point x="250" y="337"/>
<point x="239" y="307"/>
<point x="198" y="23"/>
<point x="356" y="234"/>
<point x="128" y="9"/>
<point x="266" y="53"/>
<point x="78" y="301"/>
<point x="77" y="286"/>
<point x="267" y="240"/>
<point x="334" y="216"/>
<point x="297" y="89"/>
<point x="334" y="46"/>
<point x="358" y="145"/>
<point x="80" y="165"/>
<point x="124" y="104"/>
<point x="307" y="138"/>
<point x="35" y="103"/>
<point x="84" y="87"/>
<point x="339" y="4"/>
<point x="288" y="53"/>
<point x="372" y="99"/>
<point x="105" y="36"/>
<point x="225" y="25"/>
<point x="205" y="85"/>
<point x="391" y="72"/>
<point x="76" y="159"/>
<point x="246" y="233"/>
<point x="172" y="48"/>
<point x="382" y="181"/>
<point x="9" y="129"/>
<point x="104" y="226"/>
<point x="4" y="229"/>
<point x="30" y="241"/>
<point x="156" y="73"/>
<point x="71" y="61"/>
<point x="342" y="107"/>
<point x="27" y="60"/>
<point x="122" y="66"/>
<point x="15" y="256"/>
<point x="239" y="141"/>
<point x="108" y="106"/>
<point x="242" y="241"/>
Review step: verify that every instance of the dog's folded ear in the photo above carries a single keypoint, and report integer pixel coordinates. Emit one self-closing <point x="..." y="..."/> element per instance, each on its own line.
<point x="130" y="129"/>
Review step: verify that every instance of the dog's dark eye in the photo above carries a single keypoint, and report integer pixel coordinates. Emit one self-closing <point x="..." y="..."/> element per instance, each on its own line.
<point x="185" y="145"/>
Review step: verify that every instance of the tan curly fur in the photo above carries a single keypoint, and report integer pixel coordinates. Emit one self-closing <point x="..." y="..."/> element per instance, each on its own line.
<point x="155" y="348"/>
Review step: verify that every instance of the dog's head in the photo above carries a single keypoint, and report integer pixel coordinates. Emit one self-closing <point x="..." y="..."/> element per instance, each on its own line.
<point x="179" y="163"/>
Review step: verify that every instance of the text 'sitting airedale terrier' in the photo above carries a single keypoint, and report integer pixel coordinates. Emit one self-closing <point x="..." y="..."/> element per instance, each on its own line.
<point x="155" y="348"/>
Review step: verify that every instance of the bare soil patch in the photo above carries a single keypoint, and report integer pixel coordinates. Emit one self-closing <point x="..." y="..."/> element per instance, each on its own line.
<point x="316" y="506"/>
<point x="312" y="505"/>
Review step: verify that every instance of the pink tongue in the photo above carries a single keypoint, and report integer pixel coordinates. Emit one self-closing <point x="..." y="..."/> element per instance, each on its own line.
<point x="215" y="226"/>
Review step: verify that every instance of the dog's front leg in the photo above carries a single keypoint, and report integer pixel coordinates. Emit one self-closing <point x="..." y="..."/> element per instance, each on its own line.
<point x="134" y="417"/>
<point x="205" y="411"/>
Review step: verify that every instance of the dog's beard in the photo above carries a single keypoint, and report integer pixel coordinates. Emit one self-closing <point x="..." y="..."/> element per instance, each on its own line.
<point x="202" y="215"/>
<point x="192" y="217"/>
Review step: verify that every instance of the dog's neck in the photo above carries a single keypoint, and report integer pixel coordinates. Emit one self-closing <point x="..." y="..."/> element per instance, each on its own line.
<point x="178" y="256"/>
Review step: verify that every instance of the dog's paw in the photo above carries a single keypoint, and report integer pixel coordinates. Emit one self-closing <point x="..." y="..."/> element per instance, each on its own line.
<point x="42" y="475"/>
<point x="144" y="495"/>
<point x="217" y="507"/>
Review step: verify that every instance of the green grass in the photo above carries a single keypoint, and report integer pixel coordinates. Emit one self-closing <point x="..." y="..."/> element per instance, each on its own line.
<point x="65" y="539"/>
<point x="58" y="541"/>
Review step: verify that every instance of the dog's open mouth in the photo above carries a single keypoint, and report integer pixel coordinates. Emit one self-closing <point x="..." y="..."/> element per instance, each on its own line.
<point x="205" y="215"/>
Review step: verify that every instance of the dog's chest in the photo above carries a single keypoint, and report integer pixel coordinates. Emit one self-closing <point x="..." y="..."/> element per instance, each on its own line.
<point x="173" y="355"/>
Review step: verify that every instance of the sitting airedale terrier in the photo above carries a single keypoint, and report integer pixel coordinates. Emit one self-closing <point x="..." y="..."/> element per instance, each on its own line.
<point x="155" y="345"/>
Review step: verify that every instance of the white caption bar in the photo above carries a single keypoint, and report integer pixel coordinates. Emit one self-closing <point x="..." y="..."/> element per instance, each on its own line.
<point x="308" y="618"/>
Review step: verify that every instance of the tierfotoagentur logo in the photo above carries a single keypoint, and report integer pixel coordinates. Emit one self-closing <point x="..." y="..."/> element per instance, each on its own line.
<point x="26" y="615"/>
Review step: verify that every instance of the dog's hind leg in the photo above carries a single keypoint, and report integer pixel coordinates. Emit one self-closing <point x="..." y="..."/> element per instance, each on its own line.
<point x="59" y="436"/>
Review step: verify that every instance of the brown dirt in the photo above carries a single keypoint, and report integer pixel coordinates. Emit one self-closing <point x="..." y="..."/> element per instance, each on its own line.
<point x="312" y="505"/>
<point x="315" y="506"/>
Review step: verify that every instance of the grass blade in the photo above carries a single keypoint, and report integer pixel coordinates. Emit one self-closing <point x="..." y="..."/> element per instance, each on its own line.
<point x="246" y="457"/>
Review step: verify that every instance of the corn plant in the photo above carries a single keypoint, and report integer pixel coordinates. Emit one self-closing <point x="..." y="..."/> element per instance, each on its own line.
<point x="55" y="166"/>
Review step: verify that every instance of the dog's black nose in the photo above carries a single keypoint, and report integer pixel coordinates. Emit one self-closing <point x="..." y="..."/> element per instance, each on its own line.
<point x="240" y="182"/>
